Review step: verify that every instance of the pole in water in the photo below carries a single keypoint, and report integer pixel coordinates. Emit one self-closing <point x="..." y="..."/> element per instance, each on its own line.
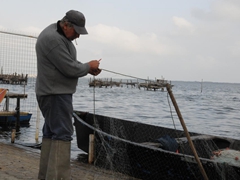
<point x="201" y="85"/>
<point x="37" y="124"/>
<point x="13" y="134"/>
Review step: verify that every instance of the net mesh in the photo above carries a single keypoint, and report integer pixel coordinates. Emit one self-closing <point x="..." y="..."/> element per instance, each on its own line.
<point x="145" y="151"/>
<point x="18" y="71"/>
<point x="127" y="149"/>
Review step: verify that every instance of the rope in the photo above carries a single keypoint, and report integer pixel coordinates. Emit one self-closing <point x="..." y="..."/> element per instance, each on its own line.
<point x="94" y="106"/>
<point x="125" y="75"/>
<point x="134" y="77"/>
<point x="94" y="98"/>
<point x="17" y="34"/>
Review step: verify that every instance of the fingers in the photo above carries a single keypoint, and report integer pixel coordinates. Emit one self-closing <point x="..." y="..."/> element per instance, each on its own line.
<point x="94" y="64"/>
<point x="94" y="67"/>
<point x="95" y="72"/>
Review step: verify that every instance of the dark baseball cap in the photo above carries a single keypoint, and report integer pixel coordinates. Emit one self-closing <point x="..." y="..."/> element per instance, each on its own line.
<point x="78" y="21"/>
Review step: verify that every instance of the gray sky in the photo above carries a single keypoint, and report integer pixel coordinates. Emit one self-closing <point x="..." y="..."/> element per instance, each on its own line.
<point x="187" y="40"/>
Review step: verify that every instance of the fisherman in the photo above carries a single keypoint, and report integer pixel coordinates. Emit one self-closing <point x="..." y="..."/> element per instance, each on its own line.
<point x="57" y="77"/>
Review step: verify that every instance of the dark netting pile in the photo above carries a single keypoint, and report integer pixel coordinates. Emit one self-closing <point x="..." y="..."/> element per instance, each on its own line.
<point x="150" y="152"/>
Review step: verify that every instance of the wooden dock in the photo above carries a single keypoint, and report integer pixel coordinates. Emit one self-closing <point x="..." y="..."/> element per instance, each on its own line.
<point x="16" y="79"/>
<point x="11" y="95"/>
<point x="103" y="83"/>
<point x="131" y="83"/>
<point x="14" y="117"/>
<point x="158" y="84"/>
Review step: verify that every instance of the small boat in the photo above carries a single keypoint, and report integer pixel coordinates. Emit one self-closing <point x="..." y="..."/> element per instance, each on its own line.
<point x="2" y="94"/>
<point x="153" y="152"/>
<point x="10" y="117"/>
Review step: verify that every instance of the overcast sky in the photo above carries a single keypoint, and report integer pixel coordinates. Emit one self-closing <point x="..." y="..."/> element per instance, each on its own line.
<point x="187" y="40"/>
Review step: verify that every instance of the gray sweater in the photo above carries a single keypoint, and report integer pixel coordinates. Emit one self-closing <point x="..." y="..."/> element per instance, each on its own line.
<point x="57" y="66"/>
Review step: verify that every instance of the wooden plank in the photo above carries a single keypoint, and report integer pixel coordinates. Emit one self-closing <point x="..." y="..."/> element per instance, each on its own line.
<point x="11" y="113"/>
<point x="15" y="95"/>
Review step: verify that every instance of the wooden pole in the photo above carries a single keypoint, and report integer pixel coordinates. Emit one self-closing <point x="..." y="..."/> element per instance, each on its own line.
<point x="186" y="132"/>
<point x="13" y="134"/>
<point x="91" y="149"/>
<point x="17" y="124"/>
<point x="37" y="124"/>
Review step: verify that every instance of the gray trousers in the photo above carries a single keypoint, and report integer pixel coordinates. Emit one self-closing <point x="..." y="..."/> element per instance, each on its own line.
<point x="57" y="111"/>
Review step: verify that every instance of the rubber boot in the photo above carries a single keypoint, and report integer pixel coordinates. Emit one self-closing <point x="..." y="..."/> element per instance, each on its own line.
<point x="59" y="161"/>
<point x="45" y="150"/>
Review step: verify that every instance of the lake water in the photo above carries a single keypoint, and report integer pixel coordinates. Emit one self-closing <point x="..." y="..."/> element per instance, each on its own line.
<point x="209" y="108"/>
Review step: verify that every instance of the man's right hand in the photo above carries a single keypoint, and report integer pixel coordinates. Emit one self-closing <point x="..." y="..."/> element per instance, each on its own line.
<point x="94" y="64"/>
<point x="94" y="70"/>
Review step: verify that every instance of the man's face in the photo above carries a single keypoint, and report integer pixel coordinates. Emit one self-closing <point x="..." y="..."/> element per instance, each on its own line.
<point x="70" y="33"/>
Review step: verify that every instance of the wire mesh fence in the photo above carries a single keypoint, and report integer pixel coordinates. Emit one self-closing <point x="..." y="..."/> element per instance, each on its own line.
<point x="129" y="148"/>
<point x="18" y="71"/>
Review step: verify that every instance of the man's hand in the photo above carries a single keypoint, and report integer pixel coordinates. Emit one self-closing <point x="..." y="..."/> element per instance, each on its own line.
<point x="94" y="67"/>
<point x="95" y="72"/>
<point x="94" y="64"/>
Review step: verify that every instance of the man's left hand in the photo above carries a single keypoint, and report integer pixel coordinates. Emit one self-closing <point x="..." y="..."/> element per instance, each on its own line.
<point x="95" y="72"/>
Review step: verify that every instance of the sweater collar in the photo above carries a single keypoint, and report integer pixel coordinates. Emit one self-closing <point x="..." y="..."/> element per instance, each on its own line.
<point x="59" y="29"/>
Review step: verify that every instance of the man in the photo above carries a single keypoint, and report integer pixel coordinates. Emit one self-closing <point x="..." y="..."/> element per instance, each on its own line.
<point x="58" y="73"/>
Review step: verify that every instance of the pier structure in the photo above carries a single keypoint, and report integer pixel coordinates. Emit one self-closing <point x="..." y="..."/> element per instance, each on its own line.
<point x="103" y="83"/>
<point x="158" y="84"/>
<point x="131" y="83"/>
<point x="16" y="79"/>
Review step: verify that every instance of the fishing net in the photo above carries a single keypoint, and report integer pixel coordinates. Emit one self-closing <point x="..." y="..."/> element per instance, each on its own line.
<point x="125" y="149"/>
<point x="145" y="151"/>
<point x="151" y="152"/>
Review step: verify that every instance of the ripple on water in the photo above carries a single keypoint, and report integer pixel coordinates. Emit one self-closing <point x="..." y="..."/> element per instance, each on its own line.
<point x="214" y="111"/>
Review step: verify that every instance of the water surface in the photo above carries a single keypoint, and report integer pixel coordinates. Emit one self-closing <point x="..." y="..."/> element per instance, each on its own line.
<point x="209" y="108"/>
